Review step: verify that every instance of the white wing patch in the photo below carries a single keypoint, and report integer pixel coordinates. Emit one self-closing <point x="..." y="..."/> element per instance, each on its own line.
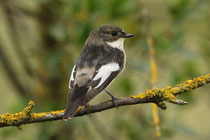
<point x="105" y="71"/>
<point x="117" y="44"/>
<point x="72" y="77"/>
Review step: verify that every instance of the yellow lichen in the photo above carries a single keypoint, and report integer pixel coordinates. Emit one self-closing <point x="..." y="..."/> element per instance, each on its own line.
<point x="141" y="96"/>
<point x="14" y="119"/>
<point x="196" y="82"/>
<point x="164" y="94"/>
<point x="153" y="70"/>
<point x="168" y="93"/>
<point x="155" y="111"/>
<point x="41" y="115"/>
<point x="80" y="107"/>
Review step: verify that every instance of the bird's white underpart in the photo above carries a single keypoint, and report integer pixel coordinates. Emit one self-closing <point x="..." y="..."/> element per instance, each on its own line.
<point x="119" y="43"/>
<point x="105" y="71"/>
<point x="72" y="77"/>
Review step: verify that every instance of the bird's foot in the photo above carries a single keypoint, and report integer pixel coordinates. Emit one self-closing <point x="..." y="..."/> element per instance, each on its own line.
<point x="87" y="106"/>
<point x="114" y="99"/>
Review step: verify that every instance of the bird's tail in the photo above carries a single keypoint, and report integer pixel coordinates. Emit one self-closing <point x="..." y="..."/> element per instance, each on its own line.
<point x="74" y="101"/>
<point x="71" y="110"/>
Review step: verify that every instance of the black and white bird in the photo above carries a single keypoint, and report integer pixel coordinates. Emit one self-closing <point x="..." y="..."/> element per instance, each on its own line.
<point x="100" y="61"/>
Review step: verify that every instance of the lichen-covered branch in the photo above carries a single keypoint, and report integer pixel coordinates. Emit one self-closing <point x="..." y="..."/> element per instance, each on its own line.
<point x="150" y="96"/>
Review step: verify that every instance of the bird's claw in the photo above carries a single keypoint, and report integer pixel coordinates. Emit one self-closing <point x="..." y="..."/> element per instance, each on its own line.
<point x="87" y="106"/>
<point x="113" y="98"/>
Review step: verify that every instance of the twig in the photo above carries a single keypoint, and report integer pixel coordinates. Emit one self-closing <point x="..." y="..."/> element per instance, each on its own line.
<point x="153" y="65"/>
<point x="150" y="96"/>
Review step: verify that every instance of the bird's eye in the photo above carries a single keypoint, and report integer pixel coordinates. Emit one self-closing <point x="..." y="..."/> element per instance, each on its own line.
<point x="114" y="33"/>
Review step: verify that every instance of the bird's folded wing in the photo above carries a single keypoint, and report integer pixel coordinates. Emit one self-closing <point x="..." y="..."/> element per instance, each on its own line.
<point x="102" y="78"/>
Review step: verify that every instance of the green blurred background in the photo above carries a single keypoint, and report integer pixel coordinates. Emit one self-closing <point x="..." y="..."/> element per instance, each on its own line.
<point x="41" y="39"/>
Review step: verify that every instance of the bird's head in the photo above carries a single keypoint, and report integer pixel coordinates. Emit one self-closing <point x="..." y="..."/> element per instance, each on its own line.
<point x="111" y="34"/>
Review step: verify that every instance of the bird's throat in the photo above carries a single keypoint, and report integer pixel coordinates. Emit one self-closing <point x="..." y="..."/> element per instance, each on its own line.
<point x="119" y="43"/>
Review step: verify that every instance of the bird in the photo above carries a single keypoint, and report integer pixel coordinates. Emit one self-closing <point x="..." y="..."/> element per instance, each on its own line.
<point x="101" y="60"/>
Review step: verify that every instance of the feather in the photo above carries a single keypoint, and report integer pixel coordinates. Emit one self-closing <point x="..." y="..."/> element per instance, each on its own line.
<point x="75" y="99"/>
<point x="72" y="77"/>
<point x="104" y="73"/>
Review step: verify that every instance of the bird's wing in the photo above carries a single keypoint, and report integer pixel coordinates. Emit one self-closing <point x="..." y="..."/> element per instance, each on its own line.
<point x="104" y="76"/>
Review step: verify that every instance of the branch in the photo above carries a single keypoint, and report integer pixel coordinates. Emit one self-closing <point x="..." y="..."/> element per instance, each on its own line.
<point x="150" y="96"/>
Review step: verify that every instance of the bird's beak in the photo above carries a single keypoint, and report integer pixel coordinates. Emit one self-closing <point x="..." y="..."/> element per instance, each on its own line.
<point x="128" y="35"/>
